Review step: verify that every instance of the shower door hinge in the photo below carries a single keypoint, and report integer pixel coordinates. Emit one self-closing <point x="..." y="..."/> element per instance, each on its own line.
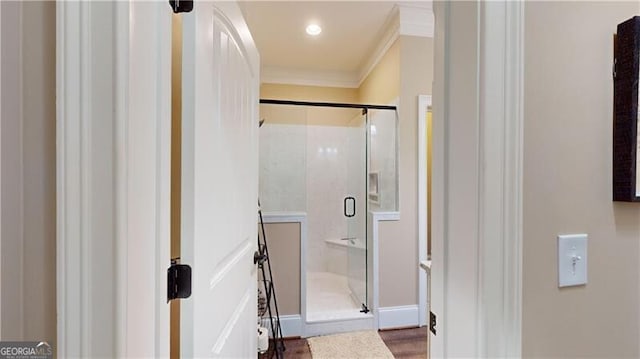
<point x="432" y="323"/>
<point x="364" y="111"/>
<point x="364" y="309"/>
<point x="178" y="280"/>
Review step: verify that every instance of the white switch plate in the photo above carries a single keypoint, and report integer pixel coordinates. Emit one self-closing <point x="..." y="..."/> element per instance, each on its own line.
<point x="572" y="260"/>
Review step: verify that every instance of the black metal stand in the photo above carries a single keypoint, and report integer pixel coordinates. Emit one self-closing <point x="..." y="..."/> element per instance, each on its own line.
<point x="261" y="258"/>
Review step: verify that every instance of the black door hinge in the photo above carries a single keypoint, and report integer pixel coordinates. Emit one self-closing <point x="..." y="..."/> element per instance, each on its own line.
<point x="178" y="281"/>
<point x="179" y="6"/>
<point x="432" y="323"/>
<point x="364" y="309"/>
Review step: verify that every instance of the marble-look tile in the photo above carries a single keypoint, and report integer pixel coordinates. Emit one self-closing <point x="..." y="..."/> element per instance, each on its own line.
<point x="283" y="174"/>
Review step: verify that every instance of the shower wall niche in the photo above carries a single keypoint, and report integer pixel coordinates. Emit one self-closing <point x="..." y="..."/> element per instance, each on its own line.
<point x="318" y="161"/>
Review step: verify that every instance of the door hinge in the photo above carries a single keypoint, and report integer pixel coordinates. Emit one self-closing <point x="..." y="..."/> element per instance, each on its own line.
<point x="178" y="281"/>
<point x="432" y="323"/>
<point x="179" y="6"/>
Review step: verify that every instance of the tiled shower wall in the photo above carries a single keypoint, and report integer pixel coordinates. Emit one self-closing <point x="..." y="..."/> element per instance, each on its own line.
<point x="308" y="169"/>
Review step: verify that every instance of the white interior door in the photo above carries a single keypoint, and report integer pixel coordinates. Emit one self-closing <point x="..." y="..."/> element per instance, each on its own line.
<point x="219" y="182"/>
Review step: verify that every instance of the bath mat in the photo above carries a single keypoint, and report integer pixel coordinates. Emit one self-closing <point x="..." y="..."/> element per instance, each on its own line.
<point x="349" y="345"/>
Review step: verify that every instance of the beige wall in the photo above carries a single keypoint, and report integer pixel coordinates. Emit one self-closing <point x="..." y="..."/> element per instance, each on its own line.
<point x="567" y="186"/>
<point x="307" y="115"/>
<point x="28" y="173"/>
<point x="308" y="93"/>
<point x="382" y="85"/>
<point x="283" y="240"/>
<point x="399" y="240"/>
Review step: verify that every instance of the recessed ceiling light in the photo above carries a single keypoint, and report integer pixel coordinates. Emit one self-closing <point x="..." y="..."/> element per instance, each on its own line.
<point x="314" y="30"/>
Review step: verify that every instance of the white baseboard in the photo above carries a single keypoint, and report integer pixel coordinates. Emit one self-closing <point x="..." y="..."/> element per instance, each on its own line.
<point x="397" y="317"/>
<point x="291" y="325"/>
<point x="388" y="318"/>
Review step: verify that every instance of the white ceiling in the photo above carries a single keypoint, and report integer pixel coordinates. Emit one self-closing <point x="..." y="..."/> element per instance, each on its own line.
<point x="350" y="32"/>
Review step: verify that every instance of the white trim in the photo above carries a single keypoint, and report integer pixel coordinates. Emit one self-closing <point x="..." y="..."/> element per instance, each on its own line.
<point x="386" y="216"/>
<point x="301" y="218"/>
<point x="406" y="18"/>
<point x="374" y="256"/>
<point x="424" y="101"/>
<point x="416" y="21"/>
<point x="113" y="301"/>
<point x="147" y="150"/>
<point x="86" y="158"/>
<point x="501" y="125"/>
<point x="478" y="310"/>
<point x="284" y="217"/>
<point x="279" y="75"/>
<point x="398" y="317"/>
<point x="70" y="218"/>
<point x="291" y="325"/>
<point x="388" y="37"/>
<point x="437" y="295"/>
<point x="121" y="185"/>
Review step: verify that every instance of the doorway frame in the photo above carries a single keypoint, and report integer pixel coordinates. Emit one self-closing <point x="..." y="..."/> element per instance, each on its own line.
<point x="113" y="156"/>
<point x="424" y="102"/>
<point x="492" y="299"/>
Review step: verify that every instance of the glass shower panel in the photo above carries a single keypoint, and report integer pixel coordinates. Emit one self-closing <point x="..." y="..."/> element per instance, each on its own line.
<point x="355" y="208"/>
<point x="383" y="161"/>
<point x="283" y="158"/>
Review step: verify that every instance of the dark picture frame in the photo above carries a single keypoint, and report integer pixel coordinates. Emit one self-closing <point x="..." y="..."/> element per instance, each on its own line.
<point x="626" y="144"/>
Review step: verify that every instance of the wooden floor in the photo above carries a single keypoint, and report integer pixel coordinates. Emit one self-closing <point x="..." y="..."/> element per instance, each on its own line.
<point x="403" y="343"/>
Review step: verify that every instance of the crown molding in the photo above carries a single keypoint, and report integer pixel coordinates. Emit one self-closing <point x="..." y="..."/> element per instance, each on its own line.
<point x="326" y="78"/>
<point x="389" y="35"/>
<point x="410" y="18"/>
<point x="416" y="21"/>
<point x="406" y="18"/>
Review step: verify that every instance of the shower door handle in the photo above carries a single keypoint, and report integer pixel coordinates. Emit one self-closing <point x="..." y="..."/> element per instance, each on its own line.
<point x="346" y="212"/>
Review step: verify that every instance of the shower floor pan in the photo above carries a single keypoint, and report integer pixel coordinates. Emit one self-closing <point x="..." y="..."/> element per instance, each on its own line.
<point x="329" y="298"/>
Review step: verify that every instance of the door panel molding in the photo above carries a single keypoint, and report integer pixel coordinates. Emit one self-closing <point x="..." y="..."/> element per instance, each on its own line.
<point x="230" y="262"/>
<point x="232" y="322"/>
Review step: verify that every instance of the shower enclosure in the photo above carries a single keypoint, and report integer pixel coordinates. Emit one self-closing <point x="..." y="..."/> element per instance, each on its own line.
<point x="316" y="158"/>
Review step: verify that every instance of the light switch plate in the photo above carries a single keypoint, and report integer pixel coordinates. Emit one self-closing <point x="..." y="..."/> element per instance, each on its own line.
<point x="572" y="260"/>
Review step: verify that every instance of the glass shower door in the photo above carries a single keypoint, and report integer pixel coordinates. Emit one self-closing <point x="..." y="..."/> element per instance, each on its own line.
<point x="355" y="210"/>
